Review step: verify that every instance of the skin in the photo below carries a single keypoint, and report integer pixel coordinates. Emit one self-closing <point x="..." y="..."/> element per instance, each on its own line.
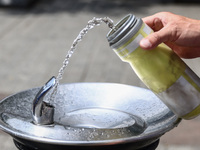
<point x="180" y="33"/>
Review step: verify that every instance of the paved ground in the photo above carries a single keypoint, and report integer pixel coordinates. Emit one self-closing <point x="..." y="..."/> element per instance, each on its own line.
<point x="34" y="41"/>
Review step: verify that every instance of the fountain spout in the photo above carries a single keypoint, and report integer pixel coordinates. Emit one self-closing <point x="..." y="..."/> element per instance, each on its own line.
<point x="43" y="112"/>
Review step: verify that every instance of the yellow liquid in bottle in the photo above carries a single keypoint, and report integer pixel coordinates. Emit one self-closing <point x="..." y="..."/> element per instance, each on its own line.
<point x="158" y="68"/>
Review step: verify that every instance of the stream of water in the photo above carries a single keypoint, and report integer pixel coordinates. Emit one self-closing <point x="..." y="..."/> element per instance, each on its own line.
<point x="91" y="24"/>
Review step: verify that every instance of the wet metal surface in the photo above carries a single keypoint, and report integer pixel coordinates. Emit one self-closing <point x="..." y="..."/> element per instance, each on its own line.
<point x="90" y="114"/>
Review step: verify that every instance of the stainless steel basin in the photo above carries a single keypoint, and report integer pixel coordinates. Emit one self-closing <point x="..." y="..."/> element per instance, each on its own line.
<point x="89" y="115"/>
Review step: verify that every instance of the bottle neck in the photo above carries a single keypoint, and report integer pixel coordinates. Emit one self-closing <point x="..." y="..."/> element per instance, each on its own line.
<point x="121" y="31"/>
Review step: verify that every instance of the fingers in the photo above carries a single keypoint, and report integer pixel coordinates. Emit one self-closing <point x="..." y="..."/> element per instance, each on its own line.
<point x="154" y="39"/>
<point x="163" y="27"/>
<point x="153" y="22"/>
<point x="149" y="21"/>
<point x="146" y="44"/>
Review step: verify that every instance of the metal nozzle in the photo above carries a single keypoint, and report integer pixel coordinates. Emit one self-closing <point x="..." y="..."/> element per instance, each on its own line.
<point x="43" y="112"/>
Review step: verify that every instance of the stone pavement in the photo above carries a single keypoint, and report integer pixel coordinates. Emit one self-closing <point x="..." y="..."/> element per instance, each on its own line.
<point x="34" y="41"/>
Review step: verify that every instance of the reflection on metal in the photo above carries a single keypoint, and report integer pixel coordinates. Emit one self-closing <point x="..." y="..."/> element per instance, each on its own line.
<point x="43" y="112"/>
<point x="89" y="115"/>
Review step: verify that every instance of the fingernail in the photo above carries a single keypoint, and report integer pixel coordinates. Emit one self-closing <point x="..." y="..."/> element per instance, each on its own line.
<point x="145" y="43"/>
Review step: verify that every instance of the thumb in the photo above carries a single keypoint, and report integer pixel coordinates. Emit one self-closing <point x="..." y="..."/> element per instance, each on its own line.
<point x="154" y="39"/>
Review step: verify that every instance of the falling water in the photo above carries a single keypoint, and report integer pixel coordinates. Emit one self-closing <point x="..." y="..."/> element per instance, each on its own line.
<point x="91" y="24"/>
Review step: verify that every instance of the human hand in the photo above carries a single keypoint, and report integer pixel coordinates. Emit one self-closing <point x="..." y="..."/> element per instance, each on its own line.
<point x="181" y="34"/>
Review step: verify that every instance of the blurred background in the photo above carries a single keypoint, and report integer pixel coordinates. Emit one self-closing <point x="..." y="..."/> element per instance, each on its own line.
<point x="35" y="36"/>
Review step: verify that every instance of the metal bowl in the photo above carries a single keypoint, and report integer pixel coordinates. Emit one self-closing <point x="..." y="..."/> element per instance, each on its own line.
<point x="89" y="115"/>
